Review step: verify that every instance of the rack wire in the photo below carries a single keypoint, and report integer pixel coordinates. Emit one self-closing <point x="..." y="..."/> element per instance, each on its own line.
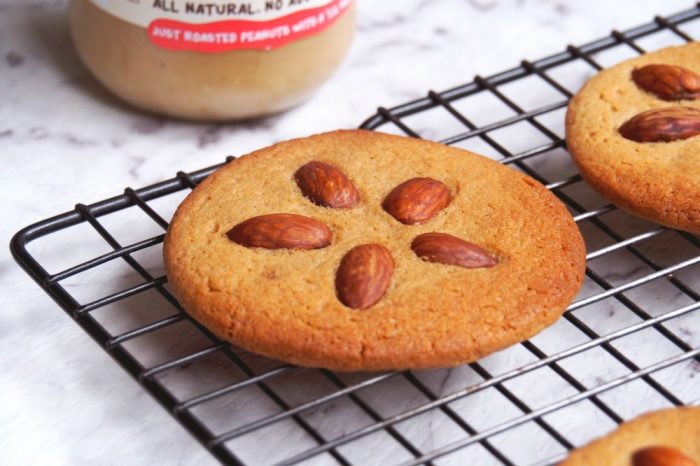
<point x="628" y="343"/>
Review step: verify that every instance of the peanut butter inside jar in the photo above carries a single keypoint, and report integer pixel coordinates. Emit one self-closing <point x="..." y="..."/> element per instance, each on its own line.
<point x="215" y="60"/>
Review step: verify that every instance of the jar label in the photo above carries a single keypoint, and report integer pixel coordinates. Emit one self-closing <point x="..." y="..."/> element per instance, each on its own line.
<point x="219" y="26"/>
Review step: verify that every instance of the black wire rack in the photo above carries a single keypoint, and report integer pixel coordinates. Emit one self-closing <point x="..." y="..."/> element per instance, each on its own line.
<point x="629" y="343"/>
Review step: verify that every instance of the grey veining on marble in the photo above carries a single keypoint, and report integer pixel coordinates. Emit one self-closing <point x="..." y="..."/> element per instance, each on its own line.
<point x="63" y="140"/>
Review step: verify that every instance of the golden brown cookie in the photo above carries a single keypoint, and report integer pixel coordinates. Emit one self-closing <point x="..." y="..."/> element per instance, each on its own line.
<point x="670" y="437"/>
<point x="356" y="250"/>
<point x="632" y="130"/>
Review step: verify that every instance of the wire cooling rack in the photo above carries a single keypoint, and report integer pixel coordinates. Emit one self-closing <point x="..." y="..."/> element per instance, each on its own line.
<point x="628" y="344"/>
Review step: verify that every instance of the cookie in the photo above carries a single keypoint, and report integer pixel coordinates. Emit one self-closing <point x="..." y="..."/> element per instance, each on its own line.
<point x="632" y="131"/>
<point x="355" y="250"/>
<point x="653" y="439"/>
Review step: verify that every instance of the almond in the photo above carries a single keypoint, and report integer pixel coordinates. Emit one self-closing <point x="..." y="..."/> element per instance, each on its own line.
<point x="448" y="249"/>
<point x="281" y="231"/>
<point x="662" y="125"/>
<point x="417" y="200"/>
<point x="668" y="82"/>
<point x="364" y="275"/>
<point x="661" y="456"/>
<point x="326" y="186"/>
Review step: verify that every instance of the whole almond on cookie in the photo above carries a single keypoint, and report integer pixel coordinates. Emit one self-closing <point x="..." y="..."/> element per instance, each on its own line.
<point x="417" y="200"/>
<point x="326" y="185"/>
<point x="662" y="125"/>
<point x="661" y="456"/>
<point x="668" y="82"/>
<point x="448" y="249"/>
<point x="364" y="275"/>
<point x="281" y="231"/>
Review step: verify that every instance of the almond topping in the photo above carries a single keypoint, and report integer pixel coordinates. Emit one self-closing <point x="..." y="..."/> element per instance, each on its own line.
<point x="660" y="456"/>
<point x="417" y="200"/>
<point x="448" y="249"/>
<point x="281" y="231"/>
<point x="364" y="275"/>
<point x="662" y="125"/>
<point x="668" y="82"/>
<point x="326" y="185"/>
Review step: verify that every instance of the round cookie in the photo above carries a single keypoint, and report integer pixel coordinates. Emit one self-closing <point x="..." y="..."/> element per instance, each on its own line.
<point x="675" y="428"/>
<point x="659" y="181"/>
<point x="507" y="259"/>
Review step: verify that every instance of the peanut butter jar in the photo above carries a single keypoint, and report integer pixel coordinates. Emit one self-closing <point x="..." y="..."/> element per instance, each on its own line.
<point x="212" y="60"/>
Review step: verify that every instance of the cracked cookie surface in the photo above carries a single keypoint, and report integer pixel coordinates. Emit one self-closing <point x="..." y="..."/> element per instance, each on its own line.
<point x="283" y="302"/>
<point x="659" y="181"/>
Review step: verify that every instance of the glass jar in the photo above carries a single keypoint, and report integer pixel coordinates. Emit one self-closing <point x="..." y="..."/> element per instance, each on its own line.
<point x="213" y="60"/>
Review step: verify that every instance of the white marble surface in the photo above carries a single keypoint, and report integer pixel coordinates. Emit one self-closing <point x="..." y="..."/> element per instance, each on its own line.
<point x="65" y="140"/>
